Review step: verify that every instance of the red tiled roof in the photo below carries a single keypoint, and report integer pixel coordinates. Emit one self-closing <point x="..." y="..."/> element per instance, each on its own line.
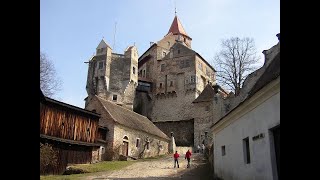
<point x="176" y="27"/>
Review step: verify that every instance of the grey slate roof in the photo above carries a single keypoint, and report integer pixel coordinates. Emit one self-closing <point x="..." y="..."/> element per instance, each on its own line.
<point x="131" y="119"/>
<point x="206" y="95"/>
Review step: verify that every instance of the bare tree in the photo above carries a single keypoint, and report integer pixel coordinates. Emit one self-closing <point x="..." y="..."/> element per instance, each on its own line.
<point x="49" y="82"/>
<point x="235" y="61"/>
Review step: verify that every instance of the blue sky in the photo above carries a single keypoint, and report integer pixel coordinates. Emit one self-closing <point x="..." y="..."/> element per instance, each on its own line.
<point x="70" y="30"/>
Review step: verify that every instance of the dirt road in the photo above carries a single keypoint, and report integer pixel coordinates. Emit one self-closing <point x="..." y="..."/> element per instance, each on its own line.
<point x="160" y="169"/>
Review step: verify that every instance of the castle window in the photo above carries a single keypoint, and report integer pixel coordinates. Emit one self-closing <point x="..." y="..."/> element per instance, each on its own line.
<point x="137" y="142"/>
<point x="144" y="73"/>
<point x="114" y="97"/>
<point x="164" y="54"/>
<point x="187" y="63"/>
<point x="178" y="51"/>
<point x="192" y="79"/>
<point x="140" y="73"/>
<point x="200" y="65"/>
<point x="160" y="85"/>
<point x="207" y="71"/>
<point x="162" y="67"/>
<point x="100" y="65"/>
<point x="133" y="70"/>
<point x="171" y="83"/>
<point x="181" y="64"/>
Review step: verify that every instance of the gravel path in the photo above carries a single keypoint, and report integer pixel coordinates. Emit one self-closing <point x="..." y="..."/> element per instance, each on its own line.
<point x="159" y="169"/>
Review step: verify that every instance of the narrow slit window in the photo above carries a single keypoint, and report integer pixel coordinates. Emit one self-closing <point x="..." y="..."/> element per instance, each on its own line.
<point x="223" y="150"/>
<point x="246" y="150"/>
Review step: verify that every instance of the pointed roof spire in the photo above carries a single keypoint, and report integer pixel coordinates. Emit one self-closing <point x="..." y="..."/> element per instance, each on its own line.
<point x="103" y="44"/>
<point x="176" y="27"/>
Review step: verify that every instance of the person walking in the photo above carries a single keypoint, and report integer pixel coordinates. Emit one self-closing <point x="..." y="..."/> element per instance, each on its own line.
<point x="188" y="156"/>
<point x="176" y="156"/>
<point x="203" y="147"/>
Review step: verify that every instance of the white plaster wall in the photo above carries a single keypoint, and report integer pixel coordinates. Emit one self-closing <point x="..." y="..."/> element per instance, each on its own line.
<point x="259" y="120"/>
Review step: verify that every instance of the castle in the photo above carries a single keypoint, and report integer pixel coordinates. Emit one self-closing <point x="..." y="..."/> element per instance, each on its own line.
<point x="161" y="84"/>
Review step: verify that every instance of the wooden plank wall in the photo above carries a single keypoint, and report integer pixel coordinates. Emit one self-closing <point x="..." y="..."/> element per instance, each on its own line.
<point x="67" y="124"/>
<point x="68" y="155"/>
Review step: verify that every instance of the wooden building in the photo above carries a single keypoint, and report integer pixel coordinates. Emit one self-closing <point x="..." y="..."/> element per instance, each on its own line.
<point x="72" y="132"/>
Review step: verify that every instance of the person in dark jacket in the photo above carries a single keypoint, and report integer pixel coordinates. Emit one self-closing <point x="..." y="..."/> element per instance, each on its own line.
<point x="176" y="156"/>
<point x="188" y="156"/>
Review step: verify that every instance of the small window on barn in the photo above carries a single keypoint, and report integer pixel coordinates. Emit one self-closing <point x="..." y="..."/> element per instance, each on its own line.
<point x="138" y="142"/>
<point x="88" y="131"/>
<point x="114" y="97"/>
<point x="223" y="150"/>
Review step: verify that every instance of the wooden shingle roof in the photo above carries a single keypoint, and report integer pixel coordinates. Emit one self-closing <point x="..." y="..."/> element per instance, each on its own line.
<point x="131" y="119"/>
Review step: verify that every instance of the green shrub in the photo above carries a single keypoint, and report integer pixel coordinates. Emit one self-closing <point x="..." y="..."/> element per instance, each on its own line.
<point x="48" y="157"/>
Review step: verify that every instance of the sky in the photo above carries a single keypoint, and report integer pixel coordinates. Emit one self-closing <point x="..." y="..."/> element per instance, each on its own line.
<point x="70" y="30"/>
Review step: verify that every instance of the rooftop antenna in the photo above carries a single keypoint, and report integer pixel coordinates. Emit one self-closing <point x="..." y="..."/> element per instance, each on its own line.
<point x="175" y="8"/>
<point x="114" y="35"/>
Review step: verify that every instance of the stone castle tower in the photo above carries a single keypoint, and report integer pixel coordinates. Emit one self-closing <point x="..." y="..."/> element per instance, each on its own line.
<point x="171" y="76"/>
<point x="113" y="76"/>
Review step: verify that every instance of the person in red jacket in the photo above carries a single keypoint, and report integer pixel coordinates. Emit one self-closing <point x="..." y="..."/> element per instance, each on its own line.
<point x="188" y="155"/>
<point x="176" y="156"/>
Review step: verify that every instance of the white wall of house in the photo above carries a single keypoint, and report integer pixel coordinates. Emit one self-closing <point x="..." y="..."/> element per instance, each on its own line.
<point x="258" y="115"/>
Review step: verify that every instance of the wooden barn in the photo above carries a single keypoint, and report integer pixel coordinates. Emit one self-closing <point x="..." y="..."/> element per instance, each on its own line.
<point x="71" y="131"/>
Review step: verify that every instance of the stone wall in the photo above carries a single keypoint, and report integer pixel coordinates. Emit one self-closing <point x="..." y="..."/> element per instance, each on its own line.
<point x="157" y="145"/>
<point x="105" y="121"/>
<point x="182" y="131"/>
<point x="143" y="104"/>
<point x="95" y="154"/>
<point x="183" y="149"/>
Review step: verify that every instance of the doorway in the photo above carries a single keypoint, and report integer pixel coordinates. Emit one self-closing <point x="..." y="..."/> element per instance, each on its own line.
<point x="125" y="146"/>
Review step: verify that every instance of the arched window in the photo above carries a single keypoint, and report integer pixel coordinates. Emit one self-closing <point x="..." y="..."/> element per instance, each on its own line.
<point x="125" y="137"/>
